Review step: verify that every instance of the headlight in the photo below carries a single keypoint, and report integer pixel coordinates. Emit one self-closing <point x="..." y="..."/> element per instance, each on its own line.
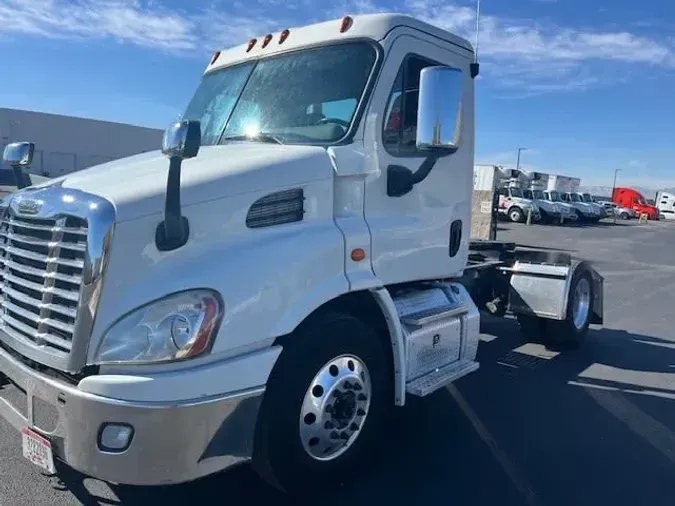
<point x="179" y="326"/>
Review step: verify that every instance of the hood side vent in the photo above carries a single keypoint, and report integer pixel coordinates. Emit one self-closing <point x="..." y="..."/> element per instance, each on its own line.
<point x="277" y="208"/>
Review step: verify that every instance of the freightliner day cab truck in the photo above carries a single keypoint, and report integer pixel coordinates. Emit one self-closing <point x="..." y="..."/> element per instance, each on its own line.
<point x="278" y="284"/>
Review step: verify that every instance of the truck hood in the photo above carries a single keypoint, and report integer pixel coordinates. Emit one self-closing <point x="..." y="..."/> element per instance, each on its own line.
<point x="525" y="203"/>
<point x="136" y="185"/>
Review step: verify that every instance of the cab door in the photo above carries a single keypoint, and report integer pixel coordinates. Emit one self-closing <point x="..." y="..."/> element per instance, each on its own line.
<point x="423" y="234"/>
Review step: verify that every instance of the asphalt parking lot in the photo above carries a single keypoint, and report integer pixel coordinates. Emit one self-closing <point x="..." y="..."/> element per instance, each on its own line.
<point x="531" y="427"/>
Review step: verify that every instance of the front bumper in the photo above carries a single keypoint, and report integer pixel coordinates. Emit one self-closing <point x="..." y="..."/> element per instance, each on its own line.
<point x="173" y="442"/>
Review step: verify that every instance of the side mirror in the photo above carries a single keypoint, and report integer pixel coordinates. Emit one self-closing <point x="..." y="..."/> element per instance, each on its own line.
<point x="440" y="109"/>
<point x="182" y="139"/>
<point x="19" y="154"/>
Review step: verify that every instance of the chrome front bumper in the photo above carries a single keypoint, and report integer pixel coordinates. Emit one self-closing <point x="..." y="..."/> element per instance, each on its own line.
<point x="172" y="442"/>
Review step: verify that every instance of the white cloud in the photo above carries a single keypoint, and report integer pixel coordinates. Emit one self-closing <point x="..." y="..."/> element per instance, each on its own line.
<point x="520" y="55"/>
<point x="125" y="20"/>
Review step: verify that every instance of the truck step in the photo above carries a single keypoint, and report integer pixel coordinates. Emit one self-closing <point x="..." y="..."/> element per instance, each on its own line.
<point x="426" y="316"/>
<point x="439" y="378"/>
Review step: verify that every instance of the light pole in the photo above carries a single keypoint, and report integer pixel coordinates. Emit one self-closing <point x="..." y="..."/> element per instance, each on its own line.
<point x="518" y="160"/>
<point x="616" y="171"/>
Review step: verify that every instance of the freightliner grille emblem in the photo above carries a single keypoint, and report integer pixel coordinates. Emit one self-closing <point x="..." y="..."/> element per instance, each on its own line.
<point x="29" y="206"/>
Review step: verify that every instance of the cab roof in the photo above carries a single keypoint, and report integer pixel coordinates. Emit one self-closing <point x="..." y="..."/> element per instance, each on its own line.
<point x="367" y="26"/>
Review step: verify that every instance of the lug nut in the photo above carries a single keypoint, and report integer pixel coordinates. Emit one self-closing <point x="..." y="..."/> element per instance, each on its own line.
<point x="362" y="397"/>
<point x="334" y="435"/>
<point x="344" y="436"/>
<point x="361" y="412"/>
<point x="347" y="385"/>
<point x="354" y="426"/>
<point x="357" y="386"/>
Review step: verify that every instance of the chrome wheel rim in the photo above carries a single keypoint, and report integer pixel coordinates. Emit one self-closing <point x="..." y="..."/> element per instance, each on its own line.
<point x="582" y="303"/>
<point x="335" y="407"/>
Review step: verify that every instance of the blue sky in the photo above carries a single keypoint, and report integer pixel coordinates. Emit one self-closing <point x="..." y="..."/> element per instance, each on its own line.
<point x="586" y="85"/>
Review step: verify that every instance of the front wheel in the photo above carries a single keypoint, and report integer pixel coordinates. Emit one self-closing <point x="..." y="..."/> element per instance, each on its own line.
<point x="516" y="215"/>
<point x="326" y="401"/>
<point x="624" y="216"/>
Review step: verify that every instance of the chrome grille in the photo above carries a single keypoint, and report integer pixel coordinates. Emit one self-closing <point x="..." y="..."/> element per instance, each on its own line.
<point x="41" y="271"/>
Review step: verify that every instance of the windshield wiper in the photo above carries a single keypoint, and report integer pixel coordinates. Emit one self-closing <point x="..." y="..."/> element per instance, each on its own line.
<point x="260" y="137"/>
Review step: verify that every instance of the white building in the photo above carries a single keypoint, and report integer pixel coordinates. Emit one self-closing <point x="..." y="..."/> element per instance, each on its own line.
<point x="65" y="144"/>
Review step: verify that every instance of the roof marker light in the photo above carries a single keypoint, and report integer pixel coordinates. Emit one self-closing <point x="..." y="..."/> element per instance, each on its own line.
<point x="346" y="24"/>
<point x="284" y="35"/>
<point x="267" y="40"/>
<point x="251" y="43"/>
<point x="214" y="57"/>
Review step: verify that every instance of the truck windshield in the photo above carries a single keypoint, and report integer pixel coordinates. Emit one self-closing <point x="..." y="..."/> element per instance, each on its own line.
<point x="308" y="96"/>
<point x="516" y="192"/>
<point x="528" y="194"/>
<point x="575" y="197"/>
<point x="554" y="196"/>
<point x="587" y="197"/>
<point x="538" y="194"/>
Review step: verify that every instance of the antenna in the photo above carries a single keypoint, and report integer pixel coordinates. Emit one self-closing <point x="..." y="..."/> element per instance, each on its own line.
<point x="477" y="28"/>
<point x="475" y="66"/>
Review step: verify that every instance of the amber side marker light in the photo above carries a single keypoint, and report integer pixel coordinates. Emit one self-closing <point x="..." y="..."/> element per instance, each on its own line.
<point x="251" y="43"/>
<point x="267" y="40"/>
<point x="284" y="35"/>
<point x="358" y="254"/>
<point x="346" y="24"/>
<point x="214" y="57"/>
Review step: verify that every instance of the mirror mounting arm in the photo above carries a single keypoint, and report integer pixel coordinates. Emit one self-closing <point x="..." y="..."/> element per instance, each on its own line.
<point x="181" y="141"/>
<point x="400" y="179"/>
<point x="174" y="231"/>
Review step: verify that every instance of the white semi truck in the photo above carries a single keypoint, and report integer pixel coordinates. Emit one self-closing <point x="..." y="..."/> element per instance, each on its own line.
<point x="551" y="211"/>
<point x="665" y="203"/>
<point x="512" y="204"/>
<point x="567" y="188"/>
<point x="297" y="267"/>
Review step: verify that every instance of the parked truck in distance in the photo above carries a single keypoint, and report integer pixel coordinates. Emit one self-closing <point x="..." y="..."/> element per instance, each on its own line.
<point x="629" y="197"/>
<point x="567" y="188"/>
<point x="513" y="203"/>
<point x="277" y="279"/>
<point x="665" y="203"/>
<point x="551" y="211"/>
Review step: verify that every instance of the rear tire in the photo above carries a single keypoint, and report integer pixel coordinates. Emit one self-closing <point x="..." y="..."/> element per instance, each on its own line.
<point x="572" y="331"/>
<point x="325" y="406"/>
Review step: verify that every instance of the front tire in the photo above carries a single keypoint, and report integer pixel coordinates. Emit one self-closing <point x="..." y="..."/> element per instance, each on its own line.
<point x="516" y="215"/>
<point x="624" y="216"/>
<point x="326" y="403"/>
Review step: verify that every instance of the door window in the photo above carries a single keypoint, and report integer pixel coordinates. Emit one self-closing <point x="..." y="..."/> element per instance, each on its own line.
<point x="400" y="125"/>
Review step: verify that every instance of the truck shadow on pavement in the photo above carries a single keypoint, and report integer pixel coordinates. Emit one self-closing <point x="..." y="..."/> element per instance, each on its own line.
<point x="532" y="427"/>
